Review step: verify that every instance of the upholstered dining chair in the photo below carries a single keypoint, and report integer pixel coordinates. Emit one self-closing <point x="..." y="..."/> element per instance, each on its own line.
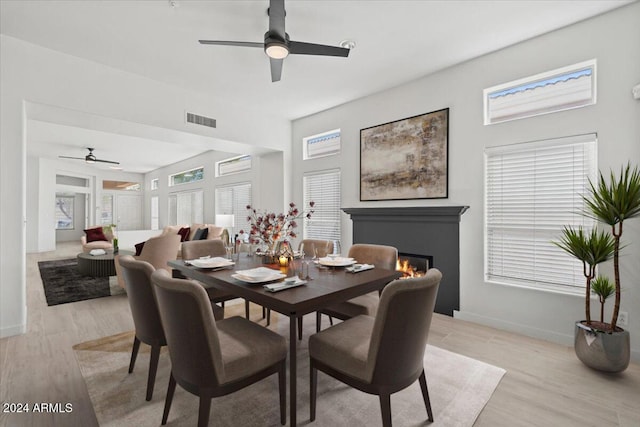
<point x="212" y="358"/>
<point x="200" y="248"/>
<point x="144" y="310"/>
<point x="159" y="250"/>
<point x="322" y="247"/>
<point x="379" y="255"/>
<point x="383" y="354"/>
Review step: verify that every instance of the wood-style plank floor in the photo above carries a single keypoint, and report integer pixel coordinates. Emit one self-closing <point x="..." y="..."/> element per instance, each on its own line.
<point x="545" y="384"/>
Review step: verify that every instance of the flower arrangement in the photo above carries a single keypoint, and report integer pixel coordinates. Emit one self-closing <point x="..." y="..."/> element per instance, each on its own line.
<point x="269" y="228"/>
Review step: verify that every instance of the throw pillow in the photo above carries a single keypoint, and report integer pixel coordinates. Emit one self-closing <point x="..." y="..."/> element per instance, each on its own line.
<point x="139" y="247"/>
<point x="184" y="233"/>
<point x="201" y="234"/>
<point x="95" y="235"/>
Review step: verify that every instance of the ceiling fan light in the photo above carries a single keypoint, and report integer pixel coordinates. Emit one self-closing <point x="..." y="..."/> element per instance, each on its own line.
<point x="276" y="50"/>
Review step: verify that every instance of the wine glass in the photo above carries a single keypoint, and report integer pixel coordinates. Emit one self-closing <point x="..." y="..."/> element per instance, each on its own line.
<point x="336" y="249"/>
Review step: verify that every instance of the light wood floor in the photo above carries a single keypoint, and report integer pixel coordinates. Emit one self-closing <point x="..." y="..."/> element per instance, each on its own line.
<point x="545" y="384"/>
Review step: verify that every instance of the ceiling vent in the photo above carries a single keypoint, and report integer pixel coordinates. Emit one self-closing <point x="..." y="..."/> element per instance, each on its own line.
<point x="201" y="120"/>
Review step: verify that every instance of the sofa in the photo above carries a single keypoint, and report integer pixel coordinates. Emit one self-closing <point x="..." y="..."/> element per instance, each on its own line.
<point x="213" y="232"/>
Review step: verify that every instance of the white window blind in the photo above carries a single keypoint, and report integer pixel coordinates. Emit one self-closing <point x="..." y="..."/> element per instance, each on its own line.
<point x="155" y="224"/>
<point x="532" y="191"/>
<point x="234" y="165"/>
<point x="186" y="207"/>
<point x="561" y="89"/>
<point x="324" y="189"/>
<point x="233" y="200"/>
<point x="321" y="145"/>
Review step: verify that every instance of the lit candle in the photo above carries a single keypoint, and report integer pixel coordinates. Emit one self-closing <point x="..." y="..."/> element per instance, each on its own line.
<point x="284" y="261"/>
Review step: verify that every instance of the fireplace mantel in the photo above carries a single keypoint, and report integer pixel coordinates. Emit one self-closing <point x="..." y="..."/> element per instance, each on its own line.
<point x="425" y="230"/>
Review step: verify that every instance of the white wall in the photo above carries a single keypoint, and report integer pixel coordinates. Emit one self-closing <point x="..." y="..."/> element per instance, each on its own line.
<point x="32" y="74"/>
<point x="614" y="40"/>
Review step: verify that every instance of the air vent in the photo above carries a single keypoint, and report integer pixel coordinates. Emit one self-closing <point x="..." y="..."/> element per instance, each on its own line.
<point x="201" y="120"/>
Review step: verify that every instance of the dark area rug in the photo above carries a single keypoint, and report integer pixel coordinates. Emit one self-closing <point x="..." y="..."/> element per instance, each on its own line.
<point x="63" y="283"/>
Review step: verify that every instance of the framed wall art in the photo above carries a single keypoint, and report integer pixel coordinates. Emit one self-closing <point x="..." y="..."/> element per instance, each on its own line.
<point x="406" y="159"/>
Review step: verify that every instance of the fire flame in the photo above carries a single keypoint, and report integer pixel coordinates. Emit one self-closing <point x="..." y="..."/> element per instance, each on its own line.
<point x="406" y="269"/>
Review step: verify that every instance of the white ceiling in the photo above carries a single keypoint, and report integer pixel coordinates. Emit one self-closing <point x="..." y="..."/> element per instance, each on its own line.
<point x="396" y="42"/>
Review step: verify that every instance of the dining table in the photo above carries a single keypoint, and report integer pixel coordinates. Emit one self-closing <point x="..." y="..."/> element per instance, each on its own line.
<point x="326" y="286"/>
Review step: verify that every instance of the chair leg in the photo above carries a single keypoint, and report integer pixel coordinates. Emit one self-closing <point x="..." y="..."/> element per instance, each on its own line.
<point x="203" y="411"/>
<point x="313" y="381"/>
<point x="425" y="395"/>
<point x="169" y="399"/>
<point x="134" y="353"/>
<point x="246" y="309"/>
<point x="282" y="383"/>
<point x="318" y="321"/>
<point x="330" y="320"/>
<point x="153" y="368"/>
<point x="300" y="328"/>
<point x="385" y="408"/>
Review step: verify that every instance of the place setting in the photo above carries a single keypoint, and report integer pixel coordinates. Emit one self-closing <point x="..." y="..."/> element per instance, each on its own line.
<point x="210" y="263"/>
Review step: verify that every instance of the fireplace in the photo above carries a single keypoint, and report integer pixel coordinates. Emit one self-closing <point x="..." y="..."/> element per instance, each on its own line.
<point x="415" y="263"/>
<point x="430" y="233"/>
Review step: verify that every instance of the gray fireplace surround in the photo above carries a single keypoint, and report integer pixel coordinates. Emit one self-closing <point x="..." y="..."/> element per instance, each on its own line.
<point x="426" y="230"/>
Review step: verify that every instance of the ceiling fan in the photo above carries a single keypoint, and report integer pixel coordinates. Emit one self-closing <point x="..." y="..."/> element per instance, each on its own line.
<point x="90" y="158"/>
<point x="277" y="44"/>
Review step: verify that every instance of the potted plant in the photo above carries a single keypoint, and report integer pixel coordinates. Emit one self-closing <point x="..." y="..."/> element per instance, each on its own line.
<point x="600" y="345"/>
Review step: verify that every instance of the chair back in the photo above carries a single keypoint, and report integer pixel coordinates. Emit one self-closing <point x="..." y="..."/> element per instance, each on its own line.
<point x="379" y="255"/>
<point x="200" y="248"/>
<point x="323" y="247"/>
<point x="144" y="310"/>
<point x="192" y="335"/>
<point x="401" y="328"/>
<point x="159" y="250"/>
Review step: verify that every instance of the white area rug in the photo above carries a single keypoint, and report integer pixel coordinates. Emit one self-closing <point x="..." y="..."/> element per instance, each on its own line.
<point x="459" y="388"/>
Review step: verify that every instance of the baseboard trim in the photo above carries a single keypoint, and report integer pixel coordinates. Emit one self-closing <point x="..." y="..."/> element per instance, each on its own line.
<point x="558" y="338"/>
<point x="13" y="330"/>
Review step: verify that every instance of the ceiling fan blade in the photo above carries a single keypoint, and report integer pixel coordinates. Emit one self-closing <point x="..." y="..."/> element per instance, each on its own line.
<point x="276" y="69"/>
<point x="232" y="43"/>
<point x="107" y="161"/>
<point x="276" y="18"/>
<point x="74" y="158"/>
<point x="303" y="48"/>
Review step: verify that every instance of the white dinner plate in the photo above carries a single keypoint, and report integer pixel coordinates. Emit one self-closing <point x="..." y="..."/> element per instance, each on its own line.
<point x="336" y="261"/>
<point x="258" y="275"/>
<point x="216" y="262"/>
<point x="262" y="279"/>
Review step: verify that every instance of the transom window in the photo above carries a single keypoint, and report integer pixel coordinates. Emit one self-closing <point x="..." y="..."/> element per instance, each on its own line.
<point x="561" y="89"/>
<point x="192" y="175"/>
<point x="324" y="144"/>
<point x="533" y="190"/>
<point x="233" y="165"/>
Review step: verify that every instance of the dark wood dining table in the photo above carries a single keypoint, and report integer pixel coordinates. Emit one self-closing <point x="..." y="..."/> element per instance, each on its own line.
<point x="327" y="287"/>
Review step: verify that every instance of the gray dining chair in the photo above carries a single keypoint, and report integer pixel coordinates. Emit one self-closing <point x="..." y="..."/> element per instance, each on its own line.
<point x="384" y="354"/>
<point x="200" y="248"/>
<point x="379" y="255"/>
<point x="211" y="358"/>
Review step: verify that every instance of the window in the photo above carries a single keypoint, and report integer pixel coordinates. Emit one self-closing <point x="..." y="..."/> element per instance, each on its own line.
<point x="561" y="89"/>
<point x="186" y="207"/>
<point x="121" y="185"/>
<point x="321" y="145"/>
<point x="154" y="184"/>
<point x="155" y="225"/>
<point x="324" y="189"/>
<point x="234" y="165"/>
<point x="532" y="191"/>
<point x="233" y="200"/>
<point x="64" y="212"/>
<point x="192" y="175"/>
<point x="106" y="211"/>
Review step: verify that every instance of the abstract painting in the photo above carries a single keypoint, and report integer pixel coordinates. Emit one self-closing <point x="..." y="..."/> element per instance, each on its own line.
<point x="405" y="159"/>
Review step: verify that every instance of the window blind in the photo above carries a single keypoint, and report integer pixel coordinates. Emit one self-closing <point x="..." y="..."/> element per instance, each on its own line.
<point x="233" y="200"/>
<point x="186" y="207"/>
<point x="533" y="190"/>
<point x="324" y="189"/>
<point x="155" y="224"/>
